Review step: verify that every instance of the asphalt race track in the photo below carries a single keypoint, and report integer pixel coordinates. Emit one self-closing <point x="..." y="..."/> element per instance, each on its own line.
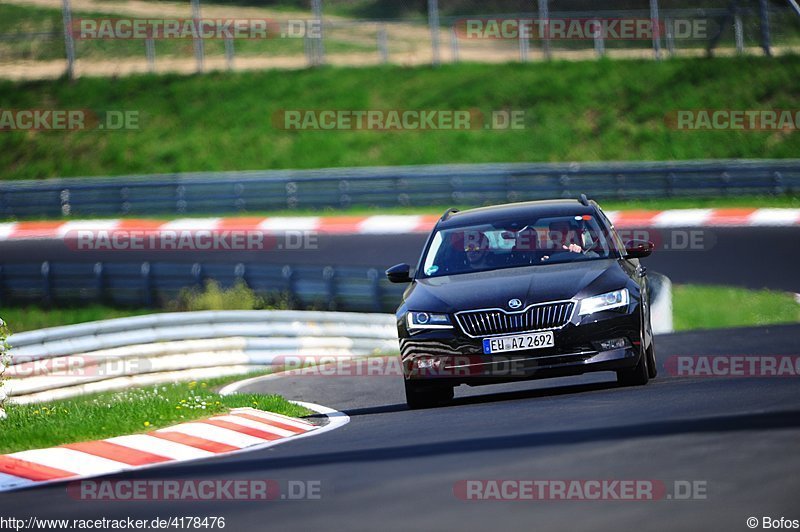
<point x="753" y="257"/>
<point x="395" y="469"/>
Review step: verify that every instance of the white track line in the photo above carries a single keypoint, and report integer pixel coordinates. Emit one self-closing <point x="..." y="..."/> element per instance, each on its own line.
<point x="71" y="460"/>
<point x="165" y="448"/>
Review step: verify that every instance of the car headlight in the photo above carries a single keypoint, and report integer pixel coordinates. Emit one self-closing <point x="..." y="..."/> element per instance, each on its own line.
<point x="428" y="320"/>
<point x="607" y="301"/>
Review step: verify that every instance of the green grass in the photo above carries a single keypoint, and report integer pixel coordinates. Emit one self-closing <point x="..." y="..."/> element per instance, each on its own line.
<point x="576" y="111"/>
<point x="715" y="307"/>
<point x="108" y="414"/>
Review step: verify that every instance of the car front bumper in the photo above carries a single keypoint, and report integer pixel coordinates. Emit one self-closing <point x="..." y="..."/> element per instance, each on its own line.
<point x="452" y="358"/>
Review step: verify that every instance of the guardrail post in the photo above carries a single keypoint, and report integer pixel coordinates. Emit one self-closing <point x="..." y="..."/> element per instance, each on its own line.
<point x="240" y="204"/>
<point x="180" y="199"/>
<point x="672" y="180"/>
<point x="375" y="284"/>
<point x="564" y="182"/>
<point x="240" y="274"/>
<point x="725" y="178"/>
<point x="291" y="195"/>
<point x="288" y="276"/>
<point x="147" y="284"/>
<point x="197" y="274"/>
<point x="100" y="281"/>
<point x="47" y="284"/>
<point x="66" y="209"/>
<point x="777" y="178"/>
<point x="2" y="285"/>
<point x="329" y="276"/>
<point x="344" y="197"/>
<point x="619" y="192"/>
<point x="124" y="196"/>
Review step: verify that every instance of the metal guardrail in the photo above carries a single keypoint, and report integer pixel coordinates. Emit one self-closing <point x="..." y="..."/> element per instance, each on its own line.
<point x="116" y="354"/>
<point x="242" y="192"/>
<point x="153" y="284"/>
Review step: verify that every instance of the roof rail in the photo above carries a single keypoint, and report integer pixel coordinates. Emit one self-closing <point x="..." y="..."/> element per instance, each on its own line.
<point x="584" y="200"/>
<point x="447" y="214"/>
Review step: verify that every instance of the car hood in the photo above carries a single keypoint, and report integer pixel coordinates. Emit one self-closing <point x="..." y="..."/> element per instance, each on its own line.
<point x="533" y="284"/>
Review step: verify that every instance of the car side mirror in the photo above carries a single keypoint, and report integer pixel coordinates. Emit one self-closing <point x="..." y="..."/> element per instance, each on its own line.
<point x="638" y="249"/>
<point x="401" y="273"/>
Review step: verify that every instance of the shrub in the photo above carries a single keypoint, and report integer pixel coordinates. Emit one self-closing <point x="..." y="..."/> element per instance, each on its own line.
<point x="238" y="297"/>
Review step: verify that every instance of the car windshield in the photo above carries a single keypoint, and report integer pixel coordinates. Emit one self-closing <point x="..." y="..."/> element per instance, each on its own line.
<point x="547" y="240"/>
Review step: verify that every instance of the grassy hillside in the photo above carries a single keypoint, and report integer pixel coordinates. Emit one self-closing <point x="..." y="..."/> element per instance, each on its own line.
<point x="582" y="111"/>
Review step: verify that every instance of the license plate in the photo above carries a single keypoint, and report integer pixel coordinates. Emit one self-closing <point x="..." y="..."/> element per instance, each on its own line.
<point x="519" y="342"/>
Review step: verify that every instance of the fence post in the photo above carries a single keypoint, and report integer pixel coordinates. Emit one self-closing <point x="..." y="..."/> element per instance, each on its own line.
<point x="229" y="52"/>
<point x="524" y="42"/>
<point x="544" y="18"/>
<point x="433" y="22"/>
<point x="319" y="44"/>
<point x="656" y="28"/>
<point x="383" y="44"/>
<point x="670" y="37"/>
<point x="69" y="42"/>
<point x="150" y="52"/>
<point x="738" y="32"/>
<point x="198" y="40"/>
<point x="599" y="42"/>
<point x="763" y="11"/>
<point x="454" y="44"/>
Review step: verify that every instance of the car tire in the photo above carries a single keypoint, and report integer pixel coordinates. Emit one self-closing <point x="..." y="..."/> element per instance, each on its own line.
<point x="652" y="365"/>
<point x="420" y="395"/>
<point x="637" y="376"/>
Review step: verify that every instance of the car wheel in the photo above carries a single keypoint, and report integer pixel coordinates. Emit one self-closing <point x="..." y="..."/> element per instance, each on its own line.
<point x="637" y="376"/>
<point x="652" y="366"/>
<point x="427" y="395"/>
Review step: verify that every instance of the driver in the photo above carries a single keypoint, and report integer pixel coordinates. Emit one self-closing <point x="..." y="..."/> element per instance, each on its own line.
<point x="566" y="240"/>
<point x="564" y="234"/>
<point x="476" y="246"/>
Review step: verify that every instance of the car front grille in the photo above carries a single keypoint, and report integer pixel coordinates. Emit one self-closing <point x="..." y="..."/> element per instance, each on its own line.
<point x="497" y="321"/>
